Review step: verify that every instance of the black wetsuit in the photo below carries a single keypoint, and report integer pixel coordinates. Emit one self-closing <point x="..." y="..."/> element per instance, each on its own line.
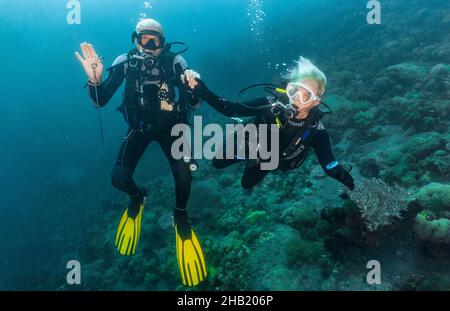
<point x="296" y="137"/>
<point x="150" y="112"/>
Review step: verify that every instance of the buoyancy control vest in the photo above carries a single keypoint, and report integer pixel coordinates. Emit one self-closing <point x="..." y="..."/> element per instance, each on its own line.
<point x="296" y="153"/>
<point x="169" y="95"/>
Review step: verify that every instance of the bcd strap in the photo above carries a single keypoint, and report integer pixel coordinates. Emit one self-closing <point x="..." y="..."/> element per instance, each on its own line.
<point x="297" y="145"/>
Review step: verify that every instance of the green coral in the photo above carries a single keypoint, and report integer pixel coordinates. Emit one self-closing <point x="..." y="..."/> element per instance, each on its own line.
<point x="300" y="216"/>
<point x="299" y="251"/>
<point x="424" y="144"/>
<point x="418" y="163"/>
<point x="229" y="219"/>
<point x="434" y="196"/>
<point x="307" y="191"/>
<point x="232" y="241"/>
<point x="256" y="216"/>
<point x="371" y="165"/>
<point x="253" y="233"/>
<point x="401" y="169"/>
<point x="363" y="119"/>
<point x="393" y="158"/>
<point x="225" y="257"/>
<point x="426" y="115"/>
<point x="406" y="172"/>
<point x="430" y="229"/>
<point x="439" y="163"/>
<point x="407" y="73"/>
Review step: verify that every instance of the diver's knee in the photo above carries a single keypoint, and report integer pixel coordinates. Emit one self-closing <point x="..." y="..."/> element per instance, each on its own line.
<point x="121" y="177"/>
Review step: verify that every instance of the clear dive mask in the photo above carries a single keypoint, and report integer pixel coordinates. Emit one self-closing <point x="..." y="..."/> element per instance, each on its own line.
<point x="302" y="92"/>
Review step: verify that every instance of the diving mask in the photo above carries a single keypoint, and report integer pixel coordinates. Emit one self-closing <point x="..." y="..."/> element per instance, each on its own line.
<point x="301" y="91"/>
<point x="155" y="43"/>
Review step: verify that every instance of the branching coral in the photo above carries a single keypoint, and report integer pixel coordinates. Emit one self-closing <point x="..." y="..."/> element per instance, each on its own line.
<point x="378" y="202"/>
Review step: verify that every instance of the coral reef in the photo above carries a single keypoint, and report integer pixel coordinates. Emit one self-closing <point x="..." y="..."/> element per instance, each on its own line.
<point x="379" y="203"/>
<point x="300" y="251"/>
<point x="433" y="230"/>
<point x="422" y="159"/>
<point x="435" y="197"/>
<point x="434" y="234"/>
<point x="433" y="223"/>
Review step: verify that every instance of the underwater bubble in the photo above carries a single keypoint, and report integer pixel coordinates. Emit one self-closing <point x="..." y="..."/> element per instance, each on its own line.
<point x="147" y="5"/>
<point x="257" y="15"/>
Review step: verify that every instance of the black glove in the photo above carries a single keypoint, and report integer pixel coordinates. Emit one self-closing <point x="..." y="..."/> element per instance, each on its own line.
<point x="343" y="176"/>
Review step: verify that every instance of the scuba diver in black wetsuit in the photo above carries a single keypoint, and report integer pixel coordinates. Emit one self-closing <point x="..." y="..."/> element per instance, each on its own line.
<point x="155" y="99"/>
<point x="298" y="120"/>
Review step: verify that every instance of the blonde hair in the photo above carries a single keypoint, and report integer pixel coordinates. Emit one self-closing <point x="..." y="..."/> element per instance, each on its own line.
<point x="306" y="70"/>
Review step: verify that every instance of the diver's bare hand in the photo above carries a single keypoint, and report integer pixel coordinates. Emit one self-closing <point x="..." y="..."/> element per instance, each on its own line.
<point x="190" y="78"/>
<point x="92" y="64"/>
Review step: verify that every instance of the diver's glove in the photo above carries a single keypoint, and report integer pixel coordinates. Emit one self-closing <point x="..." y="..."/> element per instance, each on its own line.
<point x="189" y="77"/>
<point x="195" y="85"/>
<point x="342" y="175"/>
<point x="202" y="91"/>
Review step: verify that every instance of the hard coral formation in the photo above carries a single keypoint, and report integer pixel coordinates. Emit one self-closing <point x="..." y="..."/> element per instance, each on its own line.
<point x="435" y="197"/>
<point x="301" y="251"/>
<point x="423" y="145"/>
<point x="379" y="203"/>
<point x="434" y="233"/>
<point x="300" y="216"/>
<point x="254" y="217"/>
<point x="414" y="96"/>
<point x="431" y="229"/>
<point x="432" y="226"/>
<point x="422" y="159"/>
